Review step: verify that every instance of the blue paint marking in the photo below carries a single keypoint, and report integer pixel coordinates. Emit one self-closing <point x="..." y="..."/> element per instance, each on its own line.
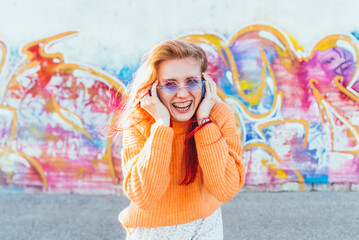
<point x="12" y="190"/>
<point x="270" y="55"/>
<point x="267" y="132"/>
<point x="316" y="178"/>
<point x="356" y="34"/>
<point x="127" y="72"/>
<point x="98" y="142"/>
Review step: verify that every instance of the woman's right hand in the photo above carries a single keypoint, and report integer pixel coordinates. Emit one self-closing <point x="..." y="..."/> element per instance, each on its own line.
<point x="153" y="105"/>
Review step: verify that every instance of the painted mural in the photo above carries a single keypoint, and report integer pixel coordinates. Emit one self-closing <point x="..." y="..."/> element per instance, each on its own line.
<point x="297" y="110"/>
<point x="50" y="115"/>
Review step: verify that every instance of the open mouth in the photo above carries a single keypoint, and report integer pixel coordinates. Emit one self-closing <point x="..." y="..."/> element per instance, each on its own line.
<point x="182" y="107"/>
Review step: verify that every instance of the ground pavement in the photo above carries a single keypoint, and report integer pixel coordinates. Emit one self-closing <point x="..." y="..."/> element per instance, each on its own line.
<point x="284" y="215"/>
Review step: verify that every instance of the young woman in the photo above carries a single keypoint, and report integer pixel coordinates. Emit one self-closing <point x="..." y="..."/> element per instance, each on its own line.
<point x="181" y="152"/>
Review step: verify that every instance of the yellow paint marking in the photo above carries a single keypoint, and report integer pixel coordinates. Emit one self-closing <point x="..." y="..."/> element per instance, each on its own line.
<point x="344" y="90"/>
<point x="300" y="178"/>
<point x="70" y="68"/>
<point x="265" y="147"/>
<point x="34" y="163"/>
<point x="259" y="116"/>
<point x="272" y="167"/>
<point x="325" y="110"/>
<point x="29" y="62"/>
<point x="332" y="41"/>
<point x="4" y="53"/>
<point x="276" y="122"/>
<point x="57" y="108"/>
<point x="272" y="30"/>
<point x="219" y="45"/>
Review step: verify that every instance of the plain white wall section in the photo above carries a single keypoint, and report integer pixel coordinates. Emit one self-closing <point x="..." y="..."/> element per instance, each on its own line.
<point x="119" y="32"/>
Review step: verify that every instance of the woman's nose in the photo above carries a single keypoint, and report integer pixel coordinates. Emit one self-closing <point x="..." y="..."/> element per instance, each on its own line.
<point x="182" y="92"/>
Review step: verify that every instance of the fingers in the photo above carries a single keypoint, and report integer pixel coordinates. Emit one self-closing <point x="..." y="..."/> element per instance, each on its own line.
<point x="146" y="92"/>
<point x="147" y="99"/>
<point x="210" y="84"/>
<point x="208" y="88"/>
<point x="154" y="89"/>
<point x="144" y="95"/>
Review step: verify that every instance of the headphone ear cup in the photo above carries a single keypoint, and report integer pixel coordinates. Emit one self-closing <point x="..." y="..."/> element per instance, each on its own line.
<point x="203" y="91"/>
<point x="151" y="93"/>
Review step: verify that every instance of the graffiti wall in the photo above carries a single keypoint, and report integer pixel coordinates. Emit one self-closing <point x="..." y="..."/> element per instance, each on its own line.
<point x="50" y="115"/>
<point x="297" y="109"/>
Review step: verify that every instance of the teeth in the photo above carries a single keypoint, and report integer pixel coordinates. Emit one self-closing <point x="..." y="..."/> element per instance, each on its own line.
<point x="182" y="109"/>
<point x="181" y="105"/>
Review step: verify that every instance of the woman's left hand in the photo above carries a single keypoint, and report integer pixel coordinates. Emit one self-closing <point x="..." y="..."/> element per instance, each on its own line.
<point x="210" y="98"/>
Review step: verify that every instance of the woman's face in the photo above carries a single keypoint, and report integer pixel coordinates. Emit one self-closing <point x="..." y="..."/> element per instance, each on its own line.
<point x="186" y="74"/>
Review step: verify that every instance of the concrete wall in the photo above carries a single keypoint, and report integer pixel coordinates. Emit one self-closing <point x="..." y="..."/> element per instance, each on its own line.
<point x="289" y="69"/>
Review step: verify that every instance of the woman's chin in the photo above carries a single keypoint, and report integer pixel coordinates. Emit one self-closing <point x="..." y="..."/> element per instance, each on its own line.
<point x="182" y="116"/>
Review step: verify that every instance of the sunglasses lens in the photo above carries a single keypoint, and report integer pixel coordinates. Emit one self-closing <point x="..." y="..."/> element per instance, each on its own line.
<point x="194" y="86"/>
<point x="170" y="89"/>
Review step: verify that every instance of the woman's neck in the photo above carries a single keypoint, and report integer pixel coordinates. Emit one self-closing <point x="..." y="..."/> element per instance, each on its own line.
<point x="180" y="127"/>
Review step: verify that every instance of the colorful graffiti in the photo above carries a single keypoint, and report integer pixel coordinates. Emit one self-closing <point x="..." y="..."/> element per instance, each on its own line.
<point x="49" y="136"/>
<point x="298" y="113"/>
<point x="297" y="110"/>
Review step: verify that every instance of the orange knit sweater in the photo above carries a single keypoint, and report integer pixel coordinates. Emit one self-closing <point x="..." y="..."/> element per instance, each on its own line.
<point x="152" y="169"/>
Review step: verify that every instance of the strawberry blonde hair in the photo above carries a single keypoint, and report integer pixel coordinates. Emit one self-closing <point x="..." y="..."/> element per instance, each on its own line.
<point x="145" y="76"/>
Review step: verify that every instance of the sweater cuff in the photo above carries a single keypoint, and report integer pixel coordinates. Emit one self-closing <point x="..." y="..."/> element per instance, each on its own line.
<point x="208" y="134"/>
<point x="158" y="146"/>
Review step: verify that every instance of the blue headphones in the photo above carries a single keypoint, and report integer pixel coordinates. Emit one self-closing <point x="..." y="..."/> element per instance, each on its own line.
<point x="203" y="91"/>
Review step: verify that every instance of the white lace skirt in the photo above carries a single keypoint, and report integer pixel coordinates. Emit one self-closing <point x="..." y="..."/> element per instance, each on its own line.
<point x="209" y="228"/>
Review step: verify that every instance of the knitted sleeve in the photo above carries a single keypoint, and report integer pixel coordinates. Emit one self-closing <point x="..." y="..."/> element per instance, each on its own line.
<point x="219" y="152"/>
<point x="145" y="164"/>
